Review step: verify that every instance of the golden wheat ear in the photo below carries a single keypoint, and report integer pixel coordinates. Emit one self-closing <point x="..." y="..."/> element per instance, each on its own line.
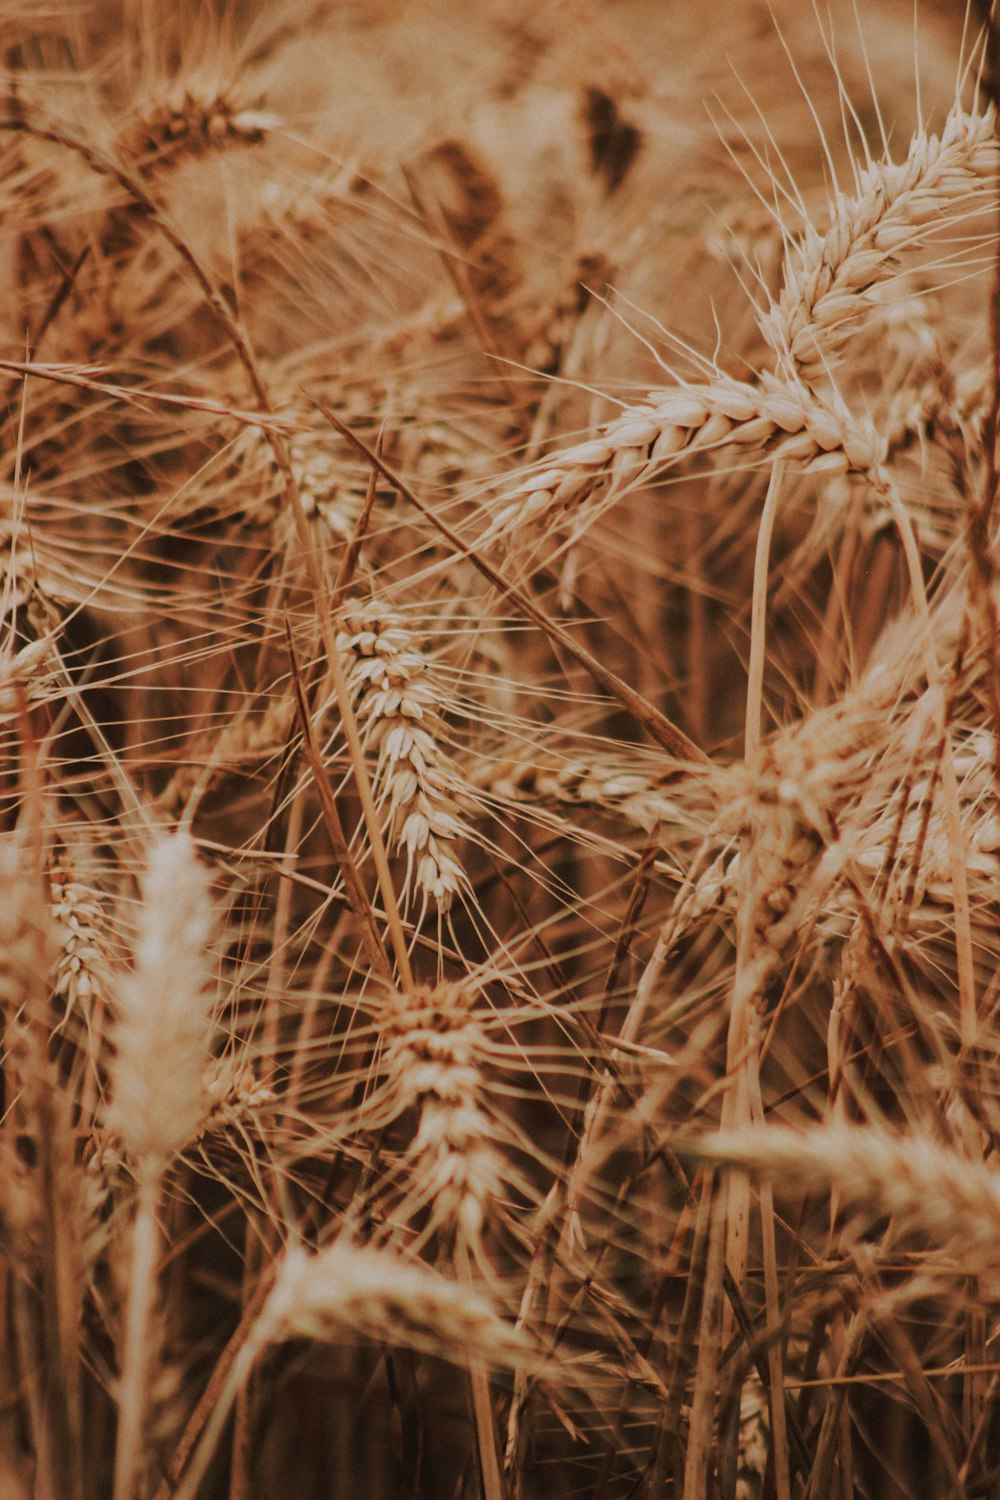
<point x="162" y="1038"/>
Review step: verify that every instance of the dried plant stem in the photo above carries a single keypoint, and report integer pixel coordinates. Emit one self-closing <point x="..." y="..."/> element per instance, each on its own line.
<point x="587" y="1158"/>
<point x="758" y="621"/>
<point x="773" y="1333"/>
<point x="211" y="1432"/>
<point x="779" y="1435"/>
<point x="701" y="1423"/>
<point x="742" y="1102"/>
<point x="134" y="1376"/>
<point x="482" y="1405"/>
<point x="276" y="967"/>
<point x="241" y="1447"/>
<point x="212" y="1396"/>
<point x="968" y="1024"/>
<point x="744" y="1091"/>
<point x="828" y="1441"/>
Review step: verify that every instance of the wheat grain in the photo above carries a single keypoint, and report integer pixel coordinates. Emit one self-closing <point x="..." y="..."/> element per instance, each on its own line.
<point x="399" y="713"/>
<point x="827" y="276"/>
<point x="779" y="417"/>
<point x="435" y="1050"/>
<point x="164" y="1008"/>
<point x="926" y="1184"/>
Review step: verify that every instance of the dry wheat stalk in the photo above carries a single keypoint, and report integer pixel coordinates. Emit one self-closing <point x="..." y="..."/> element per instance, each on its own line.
<point x="162" y="1038"/>
<point x="399" y="714"/>
<point x="754" y="1441"/>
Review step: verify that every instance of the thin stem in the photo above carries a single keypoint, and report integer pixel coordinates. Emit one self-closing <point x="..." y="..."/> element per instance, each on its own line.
<point x="758" y="616"/>
<point x="134" y="1382"/>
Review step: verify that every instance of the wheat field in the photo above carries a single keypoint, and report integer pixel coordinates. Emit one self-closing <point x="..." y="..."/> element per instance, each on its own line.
<point x="500" y="696"/>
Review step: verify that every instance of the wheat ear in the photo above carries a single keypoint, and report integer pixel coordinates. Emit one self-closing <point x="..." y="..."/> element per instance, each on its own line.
<point x="187" y="122"/>
<point x="347" y="1291"/>
<point x="399" y="716"/>
<point x="826" y="276"/>
<point x="780" y="417"/>
<point x="162" y="1038"/>
<point x="164" y="1009"/>
<point x="825" y="279"/>
<point x="924" y="1184"/>
<point x="82" y="971"/>
<point x="434" y="1049"/>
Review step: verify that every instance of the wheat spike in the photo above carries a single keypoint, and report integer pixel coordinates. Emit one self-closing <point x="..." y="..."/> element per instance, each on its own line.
<point x="927" y="1184"/>
<point x="399" y="715"/>
<point x="827" y="277"/>
<point x="435" y="1049"/>
<point x="164" y="1009"/>
<point x="779" y="417"/>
